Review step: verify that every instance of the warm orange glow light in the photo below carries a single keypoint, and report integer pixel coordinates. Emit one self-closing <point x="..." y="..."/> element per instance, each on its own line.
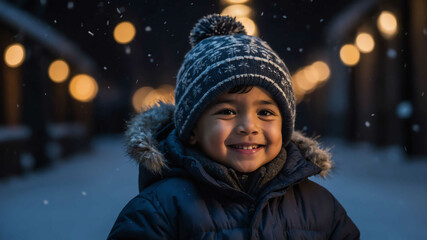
<point x="249" y="25"/>
<point x="58" y="71"/>
<point x="349" y="55"/>
<point x="14" y="55"/>
<point x="236" y="1"/>
<point x="322" y="69"/>
<point x="365" y="42"/>
<point x="138" y="98"/>
<point x="387" y="24"/>
<point x="124" y="32"/>
<point x="83" y="88"/>
<point x="147" y="97"/>
<point x="237" y="10"/>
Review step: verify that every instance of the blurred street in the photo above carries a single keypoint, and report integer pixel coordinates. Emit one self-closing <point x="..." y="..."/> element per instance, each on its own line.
<point x="80" y="197"/>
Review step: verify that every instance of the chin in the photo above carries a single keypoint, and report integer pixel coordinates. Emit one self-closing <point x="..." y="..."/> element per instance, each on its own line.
<point x="246" y="169"/>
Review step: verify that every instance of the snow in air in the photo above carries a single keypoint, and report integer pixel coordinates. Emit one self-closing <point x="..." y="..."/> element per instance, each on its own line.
<point x="416" y="128"/>
<point x="391" y="53"/>
<point x="404" y="110"/>
<point x="367" y="124"/>
<point x="70" y="5"/>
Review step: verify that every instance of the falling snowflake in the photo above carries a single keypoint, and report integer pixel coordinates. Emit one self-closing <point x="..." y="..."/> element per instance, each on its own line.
<point x="288" y="49"/>
<point x="105" y="67"/>
<point x="367" y="124"/>
<point x="84" y="193"/>
<point x="91" y="33"/>
<point x="391" y="53"/>
<point x="404" y="110"/>
<point x="127" y="50"/>
<point x="284" y="16"/>
<point x="416" y="128"/>
<point x="70" y="5"/>
<point x="45" y="202"/>
<point x="148" y="29"/>
<point x="300" y="50"/>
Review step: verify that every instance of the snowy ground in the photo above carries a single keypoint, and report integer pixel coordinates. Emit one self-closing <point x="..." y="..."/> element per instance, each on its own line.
<point x="80" y="198"/>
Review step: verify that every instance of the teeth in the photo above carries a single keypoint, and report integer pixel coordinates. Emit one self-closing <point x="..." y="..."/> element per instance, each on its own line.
<point x="245" y="147"/>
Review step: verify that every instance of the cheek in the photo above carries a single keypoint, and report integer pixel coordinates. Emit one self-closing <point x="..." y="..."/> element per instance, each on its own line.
<point x="216" y="133"/>
<point x="275" y="135"/>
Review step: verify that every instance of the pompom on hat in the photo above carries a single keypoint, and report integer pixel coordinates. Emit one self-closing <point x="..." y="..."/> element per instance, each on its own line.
<point x="223" y="57"/>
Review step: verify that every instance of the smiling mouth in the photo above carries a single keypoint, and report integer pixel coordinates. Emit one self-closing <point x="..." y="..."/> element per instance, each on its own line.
<point x="246" y="147"/>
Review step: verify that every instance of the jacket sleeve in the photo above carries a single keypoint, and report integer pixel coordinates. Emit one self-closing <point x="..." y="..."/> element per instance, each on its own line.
<point x="343" y="227"/>
<point x="142" y="218"/>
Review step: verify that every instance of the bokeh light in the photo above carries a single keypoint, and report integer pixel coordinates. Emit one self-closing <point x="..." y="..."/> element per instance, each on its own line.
<point x="124" y="32"/>
<point x="147" y="97"/>
<point x="58" y="71"/>
<point x="237" y="10"/>
<point x="138" y="98"/>
<point x="365" y="42"/>
<point x="250" y="26"/>
<point x="387" y="24"/>
<point x="306" y="79"/>
<point x="14" y="55"/>
<point x="83" y="88"/>
<point x="236" y="1"/>
<point x="322" y="69"/>
<point x="349" y="54"/>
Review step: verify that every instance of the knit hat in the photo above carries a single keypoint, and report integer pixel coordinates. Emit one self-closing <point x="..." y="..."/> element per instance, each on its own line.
<point x="223" y="57"/>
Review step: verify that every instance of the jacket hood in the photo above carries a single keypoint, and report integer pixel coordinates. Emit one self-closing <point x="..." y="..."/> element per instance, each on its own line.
<point x="143" y="147"/>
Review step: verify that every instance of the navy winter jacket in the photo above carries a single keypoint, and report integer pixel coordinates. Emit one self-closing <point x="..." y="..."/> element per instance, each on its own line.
<point x="179" y="199"/>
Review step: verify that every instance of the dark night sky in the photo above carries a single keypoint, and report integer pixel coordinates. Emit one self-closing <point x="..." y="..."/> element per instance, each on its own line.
<point x="283" y="24"/>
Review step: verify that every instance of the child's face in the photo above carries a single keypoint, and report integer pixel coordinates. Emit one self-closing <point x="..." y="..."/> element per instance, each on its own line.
<point x="241" y="130"/>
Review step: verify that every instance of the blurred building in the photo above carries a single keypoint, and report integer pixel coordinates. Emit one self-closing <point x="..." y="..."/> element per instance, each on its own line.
<point x="376" y="93"/>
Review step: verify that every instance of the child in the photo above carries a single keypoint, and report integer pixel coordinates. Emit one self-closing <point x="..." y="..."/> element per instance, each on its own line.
<point x="225" y="162"/>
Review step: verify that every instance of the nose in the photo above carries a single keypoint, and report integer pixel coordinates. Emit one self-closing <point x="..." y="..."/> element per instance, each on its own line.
<point x="247" y="125"/>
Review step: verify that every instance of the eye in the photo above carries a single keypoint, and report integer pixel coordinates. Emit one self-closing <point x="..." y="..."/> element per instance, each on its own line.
<point x="226" y="112"/>
<point x="266" y="113"/>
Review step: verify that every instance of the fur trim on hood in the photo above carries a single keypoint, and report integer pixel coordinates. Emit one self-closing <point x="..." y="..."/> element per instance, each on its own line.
<point x="142" y="146"/>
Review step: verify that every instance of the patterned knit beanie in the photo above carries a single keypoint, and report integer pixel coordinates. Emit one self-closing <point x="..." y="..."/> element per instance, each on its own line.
<point x="223" y="57"/>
